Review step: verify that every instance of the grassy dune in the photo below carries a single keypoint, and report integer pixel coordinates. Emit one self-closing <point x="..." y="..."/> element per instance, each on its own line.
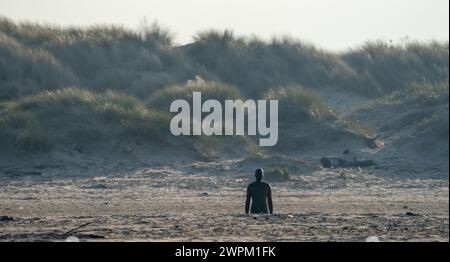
<point x="420" y="108"/>
<point x="63" y="86"/>
<point x="76" y="116"/>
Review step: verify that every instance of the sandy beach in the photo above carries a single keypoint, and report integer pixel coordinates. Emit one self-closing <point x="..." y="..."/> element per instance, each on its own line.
<point x="204" y="201"/>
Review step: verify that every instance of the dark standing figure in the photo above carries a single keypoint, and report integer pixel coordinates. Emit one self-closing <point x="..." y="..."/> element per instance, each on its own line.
<point x="259" y="194"/>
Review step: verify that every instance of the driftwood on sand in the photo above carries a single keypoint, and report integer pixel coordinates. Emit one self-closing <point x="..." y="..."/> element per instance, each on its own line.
<point x="335" y="162"/>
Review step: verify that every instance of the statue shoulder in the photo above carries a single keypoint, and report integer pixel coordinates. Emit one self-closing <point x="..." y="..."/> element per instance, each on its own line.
<point x="251" y="185"/>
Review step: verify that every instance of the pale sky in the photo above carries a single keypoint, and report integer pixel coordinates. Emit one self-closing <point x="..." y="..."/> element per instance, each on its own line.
<point x="332" y="24"/>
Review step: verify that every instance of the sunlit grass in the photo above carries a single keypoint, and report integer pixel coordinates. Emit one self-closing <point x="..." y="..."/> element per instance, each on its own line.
<point x="73" y="115"/>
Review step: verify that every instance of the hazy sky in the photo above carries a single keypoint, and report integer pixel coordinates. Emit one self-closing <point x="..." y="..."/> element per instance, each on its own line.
<point x="333" y="24"/>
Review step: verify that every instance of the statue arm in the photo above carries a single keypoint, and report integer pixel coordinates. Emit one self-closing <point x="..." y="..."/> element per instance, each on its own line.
<point x="269" y="200"/>
<point x="247" y="201"/>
